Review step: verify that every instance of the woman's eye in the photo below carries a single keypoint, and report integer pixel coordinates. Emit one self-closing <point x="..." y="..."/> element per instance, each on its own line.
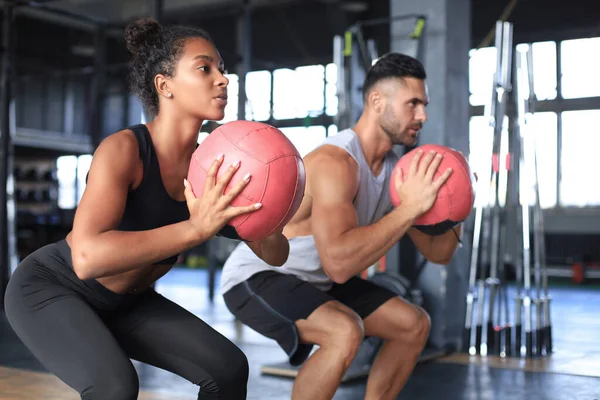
<point x="203" y="68"/>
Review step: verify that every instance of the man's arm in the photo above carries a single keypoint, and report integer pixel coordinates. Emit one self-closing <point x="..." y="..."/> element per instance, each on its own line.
<point x="274" y="249"/>
<point x="437" y="249"/>
<point x="345" y="248"/>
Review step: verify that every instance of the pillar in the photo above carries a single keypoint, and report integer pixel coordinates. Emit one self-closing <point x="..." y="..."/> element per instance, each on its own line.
<point x="445" y="55"/>
<point x="8" y="255"/>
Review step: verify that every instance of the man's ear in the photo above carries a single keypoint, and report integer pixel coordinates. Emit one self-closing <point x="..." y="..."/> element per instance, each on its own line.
<point x="161" y="83"/>
<point x="376" y="100"/>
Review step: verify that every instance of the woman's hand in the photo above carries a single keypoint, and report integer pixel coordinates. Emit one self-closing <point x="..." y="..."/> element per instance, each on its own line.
<point x="212" y="211"/>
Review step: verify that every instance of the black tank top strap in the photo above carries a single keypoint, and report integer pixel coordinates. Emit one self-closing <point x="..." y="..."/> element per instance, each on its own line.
<point x="147" y="153"/>
<point x="145" y="146"/>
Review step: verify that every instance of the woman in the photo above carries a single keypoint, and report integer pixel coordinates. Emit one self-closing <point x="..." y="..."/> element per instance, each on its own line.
<point x="84" y="305"/>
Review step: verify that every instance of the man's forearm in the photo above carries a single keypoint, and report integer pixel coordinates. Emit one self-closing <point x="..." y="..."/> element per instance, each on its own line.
<point x="361" y="247"/>
<point x="444" y="246"/>
<point x="437" y="249"/>
<point x="274" y="249"/>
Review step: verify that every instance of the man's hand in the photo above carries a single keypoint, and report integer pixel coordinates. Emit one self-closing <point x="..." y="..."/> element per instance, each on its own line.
<point x="418" y="190"/>
<point x="345" y="247"/>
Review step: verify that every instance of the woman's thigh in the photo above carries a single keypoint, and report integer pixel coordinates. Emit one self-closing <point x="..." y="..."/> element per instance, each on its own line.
<point x="67" y="336"/>
<point x="161" y="333"/>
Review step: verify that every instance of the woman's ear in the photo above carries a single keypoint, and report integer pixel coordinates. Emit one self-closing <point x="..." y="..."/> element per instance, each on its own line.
<point x="161" y="83"/>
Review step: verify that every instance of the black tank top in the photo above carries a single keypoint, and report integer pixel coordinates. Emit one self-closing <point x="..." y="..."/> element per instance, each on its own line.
<point x="149" y="206"/>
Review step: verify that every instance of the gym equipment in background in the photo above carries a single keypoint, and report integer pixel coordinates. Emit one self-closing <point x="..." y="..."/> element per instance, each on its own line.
<point x="353" y="55"/>
<point x="501" y="199"/>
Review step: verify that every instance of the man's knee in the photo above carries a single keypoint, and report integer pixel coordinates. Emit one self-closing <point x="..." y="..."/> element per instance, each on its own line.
<point x="337" y="327"/>
<point x="347" y="330"/>
<point x="420" y="326"/>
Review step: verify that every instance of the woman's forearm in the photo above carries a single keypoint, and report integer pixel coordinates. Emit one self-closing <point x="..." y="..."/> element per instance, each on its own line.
<point x="114" y="252"/>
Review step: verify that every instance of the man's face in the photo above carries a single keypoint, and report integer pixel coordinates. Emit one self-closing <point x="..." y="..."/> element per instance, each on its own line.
<point x="403" y="112"/>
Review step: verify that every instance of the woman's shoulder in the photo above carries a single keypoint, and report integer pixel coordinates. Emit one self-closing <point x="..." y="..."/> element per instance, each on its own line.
<point x="124" y="139"/>
<point x="118" y="155"/>
<point x="123" y="143"/>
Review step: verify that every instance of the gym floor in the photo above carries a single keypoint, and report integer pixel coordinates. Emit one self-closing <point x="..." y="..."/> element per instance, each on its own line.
<point x="571" y="372"/>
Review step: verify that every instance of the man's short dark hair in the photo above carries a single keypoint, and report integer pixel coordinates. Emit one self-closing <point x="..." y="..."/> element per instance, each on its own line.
<point x="393" y="65"/>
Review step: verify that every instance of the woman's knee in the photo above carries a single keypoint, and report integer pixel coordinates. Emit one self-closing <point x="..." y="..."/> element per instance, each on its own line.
<point x="226" y="377"/>
<point x="240" y="369"/>
<point x="117" y="386"/>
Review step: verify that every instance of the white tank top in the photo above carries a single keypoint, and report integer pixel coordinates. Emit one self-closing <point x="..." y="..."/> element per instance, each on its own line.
<point x="372" y="202"/>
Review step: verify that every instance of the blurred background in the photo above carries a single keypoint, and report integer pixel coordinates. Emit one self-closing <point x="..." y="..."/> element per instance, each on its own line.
<point x="298" y="65"/>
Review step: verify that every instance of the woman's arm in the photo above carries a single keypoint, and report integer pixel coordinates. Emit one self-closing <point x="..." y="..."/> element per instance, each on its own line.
<point x="97" y="248"/>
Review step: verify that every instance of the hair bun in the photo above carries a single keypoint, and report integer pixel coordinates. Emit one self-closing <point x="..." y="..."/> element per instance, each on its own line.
<point x="141" y="32"/>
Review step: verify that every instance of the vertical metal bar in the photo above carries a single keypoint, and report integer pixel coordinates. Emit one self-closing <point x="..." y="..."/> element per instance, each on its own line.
<point x="324" y="110"/>
<point x="97" y="90"/>
<point x="559" y="132"/>
<point x="244" y="49"/>
<point x="125" y="100"/>
<point x="341" y="91"/>
<point x="69" y="105"/>
<point x="158" y="9"/>
<point x="7" y="211"/>
<point x="271" y="96"/>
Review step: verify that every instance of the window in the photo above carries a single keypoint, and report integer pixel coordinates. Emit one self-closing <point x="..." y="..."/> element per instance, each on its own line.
<point x="557" y="183"/>
<point x="298" y="93"/>
<point x="580" y="141"/>
<point x="66" y="167"/>
<point x="331" y="99"/>
<point x="258" y="93"/>
<point x="332" y="130"/>
<point x="305" y="139"/>
<point x="284" y="94"/>
<point x="231" y="109"/>
<point x="83" y="166"/>
<point x="544" y="70"/>
<point x="71" y="172"/>
<point x="480" y="153"/>
<point x="543" y="127"/>
<point x="482" y="65"/>
<point x="580" y="62"/>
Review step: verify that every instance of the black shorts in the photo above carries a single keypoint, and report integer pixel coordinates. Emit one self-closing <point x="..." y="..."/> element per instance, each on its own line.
<point x="270" y="302"/>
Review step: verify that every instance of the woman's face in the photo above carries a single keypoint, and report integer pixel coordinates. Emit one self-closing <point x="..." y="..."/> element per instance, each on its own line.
<point x="199" y="87"/>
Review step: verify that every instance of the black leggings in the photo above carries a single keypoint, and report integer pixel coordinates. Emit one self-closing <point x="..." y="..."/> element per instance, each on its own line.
<point x="86" y="334"/>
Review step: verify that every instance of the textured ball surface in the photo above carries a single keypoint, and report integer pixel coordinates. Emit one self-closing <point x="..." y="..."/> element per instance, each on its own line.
<point x="455" y="198"/>
<point x="278" y="175"/>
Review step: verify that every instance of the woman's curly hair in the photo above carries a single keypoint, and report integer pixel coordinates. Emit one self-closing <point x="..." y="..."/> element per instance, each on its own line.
<point x="156" y="49"/>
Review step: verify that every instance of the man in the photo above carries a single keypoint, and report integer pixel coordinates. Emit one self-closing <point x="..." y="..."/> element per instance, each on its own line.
<point x="345" y="224"/>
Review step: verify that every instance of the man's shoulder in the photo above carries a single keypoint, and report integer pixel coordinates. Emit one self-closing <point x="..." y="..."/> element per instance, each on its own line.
<point x="328" y="158"/>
